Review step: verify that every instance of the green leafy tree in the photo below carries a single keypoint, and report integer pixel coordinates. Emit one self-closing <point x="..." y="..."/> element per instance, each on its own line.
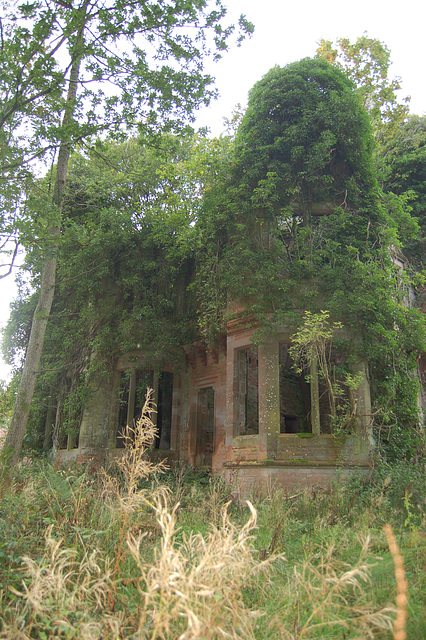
<point x="397" y="152"/>
<point x="125" y="262"/>
<point x="367" y="62"/>
<point x="74" y="69"/>
<point x="403" y="168"/>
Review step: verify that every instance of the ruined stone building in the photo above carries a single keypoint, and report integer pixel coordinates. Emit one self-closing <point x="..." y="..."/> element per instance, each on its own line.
<point x="239" y="409"/>
<point x="237" y="406"/>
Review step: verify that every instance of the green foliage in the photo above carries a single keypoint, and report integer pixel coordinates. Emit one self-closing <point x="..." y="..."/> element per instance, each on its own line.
<point x="313" y="339"/>
<point x="403" y="168"/>
<point x="125" y="262"/>
<point x="7" y="399"/>
<point x="366" y="62"/>
<point x="55" y="91"/>
<point x="307" y="135"/>
<point x="279" y="243"/>
<point x="311" y="350"/>
<point x="160" y="241"/>
<point x="153" y="53"/>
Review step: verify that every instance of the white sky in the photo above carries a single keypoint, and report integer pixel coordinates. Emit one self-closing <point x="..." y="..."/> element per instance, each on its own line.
<point x="288" y="31"/>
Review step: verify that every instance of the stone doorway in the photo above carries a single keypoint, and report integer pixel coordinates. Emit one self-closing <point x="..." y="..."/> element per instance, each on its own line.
<point x="205" y="428"/>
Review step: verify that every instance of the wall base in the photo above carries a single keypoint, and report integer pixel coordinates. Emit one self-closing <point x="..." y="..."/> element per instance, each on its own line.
<point x="261" y="478"/>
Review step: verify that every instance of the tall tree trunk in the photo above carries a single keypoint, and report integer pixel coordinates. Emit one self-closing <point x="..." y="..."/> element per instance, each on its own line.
<point x="18" y="425"/>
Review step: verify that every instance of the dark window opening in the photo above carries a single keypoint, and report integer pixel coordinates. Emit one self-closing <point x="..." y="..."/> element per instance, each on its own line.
<point x="205" y="428"/>
<point x="60" y="436"/>
<point x="132" y="394"/>
<point x="144" y="381"/>
<point x="248" y="391"/>
<point x="164" y="410"/>
<point x="295" y="396"/>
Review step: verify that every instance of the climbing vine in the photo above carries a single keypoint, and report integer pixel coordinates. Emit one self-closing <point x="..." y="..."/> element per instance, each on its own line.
<point x="285" y="219"/>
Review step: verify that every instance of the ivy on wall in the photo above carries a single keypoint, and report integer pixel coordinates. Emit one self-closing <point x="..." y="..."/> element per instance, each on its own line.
<point x="288" y="217"/>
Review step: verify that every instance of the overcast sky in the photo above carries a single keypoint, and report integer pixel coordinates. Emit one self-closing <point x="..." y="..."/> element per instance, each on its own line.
<point x="289" y="31"/>
<point x="285" y="32"/>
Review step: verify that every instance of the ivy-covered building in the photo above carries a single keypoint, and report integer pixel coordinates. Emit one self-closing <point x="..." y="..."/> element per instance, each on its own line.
<point x="277" y="327"/>
<point x="238" y="409"/>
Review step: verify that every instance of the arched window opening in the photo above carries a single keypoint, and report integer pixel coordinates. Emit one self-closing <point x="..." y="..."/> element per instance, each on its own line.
<point x="132" y="394"/>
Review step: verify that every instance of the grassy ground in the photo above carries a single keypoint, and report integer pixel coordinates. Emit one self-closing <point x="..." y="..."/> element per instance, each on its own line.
<point x="133" y="553"/>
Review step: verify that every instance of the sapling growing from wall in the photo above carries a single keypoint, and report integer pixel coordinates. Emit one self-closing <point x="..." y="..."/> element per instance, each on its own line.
<point x="311" y="351"/>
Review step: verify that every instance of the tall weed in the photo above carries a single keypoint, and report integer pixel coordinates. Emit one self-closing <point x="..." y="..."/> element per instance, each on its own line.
<point x="135" y="553"/>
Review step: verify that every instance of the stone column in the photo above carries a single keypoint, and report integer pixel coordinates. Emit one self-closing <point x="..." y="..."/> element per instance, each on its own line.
<point x="115" y="408"/>
<point x="362" y="400"/>
<point x="269" y="400"/>
<point x="93" y="439"/>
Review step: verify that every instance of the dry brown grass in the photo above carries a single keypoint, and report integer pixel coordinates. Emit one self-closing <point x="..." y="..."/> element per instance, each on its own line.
<point x="61" y="597"/>
<point x="193" y="589"/>
<point x="327" y="594"/>
<point x="401" y="585"/>
<point x="189" y="586"/>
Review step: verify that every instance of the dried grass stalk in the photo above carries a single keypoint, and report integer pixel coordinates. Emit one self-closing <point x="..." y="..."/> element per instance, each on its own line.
<point x="401" y="585"/>
<point x="193" y="589"/>
<point x="62" y="596"/>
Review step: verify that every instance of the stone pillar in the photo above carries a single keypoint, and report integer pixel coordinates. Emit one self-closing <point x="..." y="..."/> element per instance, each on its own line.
<point x="315" y="403"/>
<point x="185" y="416"/>
<point x="269" y="400"/>
<point x="219" y="425"/>
<point x="93" y="439"/>
<point x="114" y="411"/>
<point x="131" y="400"/>
<point x="362" y="398"/>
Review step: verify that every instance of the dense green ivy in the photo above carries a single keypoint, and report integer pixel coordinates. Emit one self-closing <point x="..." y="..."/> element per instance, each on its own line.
<point x="286" y="218"/>
<point x="301" y="224"/>
<point x="305" y="126"/>
<point x="402" y="168"/>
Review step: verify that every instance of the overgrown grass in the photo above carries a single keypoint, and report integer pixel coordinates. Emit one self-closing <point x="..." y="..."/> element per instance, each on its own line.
<point x="136" y="553"/>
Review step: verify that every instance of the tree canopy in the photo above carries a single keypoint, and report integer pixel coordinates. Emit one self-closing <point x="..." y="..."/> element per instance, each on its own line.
<point x="367" y="62"/>
<point x="140" y="63"/>
<point x="73" y="70"/>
